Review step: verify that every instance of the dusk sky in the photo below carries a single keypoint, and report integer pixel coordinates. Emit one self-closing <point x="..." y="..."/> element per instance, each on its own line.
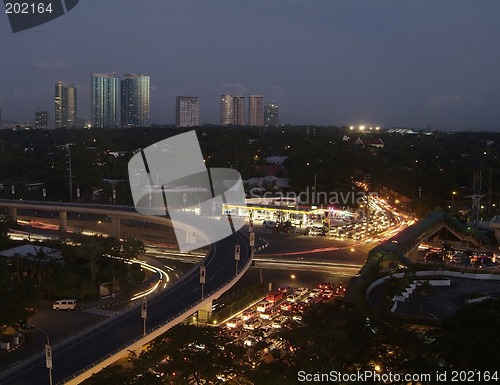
<point x="391" y="63"/>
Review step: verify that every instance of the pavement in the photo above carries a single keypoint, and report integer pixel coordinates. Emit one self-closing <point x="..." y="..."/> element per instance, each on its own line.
<point x="443" y="301"/>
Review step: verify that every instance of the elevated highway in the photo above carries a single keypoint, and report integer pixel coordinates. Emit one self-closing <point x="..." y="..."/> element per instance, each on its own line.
<point x="86" y="353"/>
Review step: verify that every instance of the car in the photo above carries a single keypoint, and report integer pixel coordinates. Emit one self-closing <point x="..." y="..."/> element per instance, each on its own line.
<point x="264" y="306"/>
<point x="284" y="289"/>
<point x="64" y="304"/>
<point x="327" y="294"/>
<point x="269" y="224"/>
<point x="252" y="324"/>
<point x="248" y="314"/>
<point x="269" y="314"/>
<point x="294" y="297"/>
<point x="301" y="291"/>
<point x="325" y="286"/>
<point x="287" y="305"/>
<point x="234" y="323"/>
<point x="274" y="296"/>
<point x="277" y="323"/>
<point x="315" y="293"/>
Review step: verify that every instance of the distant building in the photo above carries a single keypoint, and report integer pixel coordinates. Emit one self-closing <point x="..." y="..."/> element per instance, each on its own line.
<point x="255" y="111"/>
<point x="135" y="93"/>
<point x="239" y="110"/>
<point x="187" y="111"/>
<point x="104" y="101"/>
<point x="42" y="120"/>
<point x="271" y="114"/>
<point x="226" y="110"/>
<point x="366" y="141"/>
<point x="65" y="103"/>
<point x="232" y="110"/>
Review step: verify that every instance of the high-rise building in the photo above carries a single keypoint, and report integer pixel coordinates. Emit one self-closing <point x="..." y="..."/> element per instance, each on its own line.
<point x="65" y="106"/>
<point x="226" y="110"/>
<point x="255" y="111"/>
<point x="187" y="111"/>
<point x="104" y="101"/>
<point x="239" y="110"/>
<point x="135" y="92"/>
<point x="271" y="116"/>
<point x="232" y="110"/>
<point x="42" y="120"/>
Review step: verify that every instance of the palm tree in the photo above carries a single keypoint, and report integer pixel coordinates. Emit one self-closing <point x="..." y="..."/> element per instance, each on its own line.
<point x="40" y="268"/>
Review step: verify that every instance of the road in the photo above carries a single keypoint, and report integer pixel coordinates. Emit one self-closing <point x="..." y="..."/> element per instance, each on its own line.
<point x="85" y="350"/>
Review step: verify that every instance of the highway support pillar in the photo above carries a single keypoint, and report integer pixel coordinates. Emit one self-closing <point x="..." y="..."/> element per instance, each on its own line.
<point x="63" y="220"/>
<point x="205" y="314"/>
<point x="115" y="227"/>
<point x="13" y="214"/>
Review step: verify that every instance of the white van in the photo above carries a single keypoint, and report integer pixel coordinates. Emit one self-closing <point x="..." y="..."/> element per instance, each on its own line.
<point x="264" y="306"/>
<point x="64" y="304"/>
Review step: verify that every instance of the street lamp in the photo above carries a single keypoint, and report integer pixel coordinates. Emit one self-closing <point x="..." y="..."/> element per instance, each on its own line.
<point x="70" y="175"/>
<point x="144" y="313"/>
<point x="48" y="353"/>
<point x="453" y="199"/>
<point x="203" y="271"/>
<point x="237" y="255"/>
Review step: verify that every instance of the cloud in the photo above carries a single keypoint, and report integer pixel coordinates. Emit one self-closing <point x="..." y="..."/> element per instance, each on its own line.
<point x="453" y="101"/>
<point x="47" y="66"/>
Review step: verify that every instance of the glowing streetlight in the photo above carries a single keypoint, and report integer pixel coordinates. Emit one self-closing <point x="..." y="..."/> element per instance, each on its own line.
<point x="361" y="128"/>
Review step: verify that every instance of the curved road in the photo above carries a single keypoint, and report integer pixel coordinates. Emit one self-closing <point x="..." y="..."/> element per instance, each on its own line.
<point x="69" y="358"/>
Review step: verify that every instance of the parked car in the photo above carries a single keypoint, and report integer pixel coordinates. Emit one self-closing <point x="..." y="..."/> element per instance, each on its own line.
<point x="64" y="304"/>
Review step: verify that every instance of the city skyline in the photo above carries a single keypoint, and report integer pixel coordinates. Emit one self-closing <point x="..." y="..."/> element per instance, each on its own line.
<point x="389" y="63"/>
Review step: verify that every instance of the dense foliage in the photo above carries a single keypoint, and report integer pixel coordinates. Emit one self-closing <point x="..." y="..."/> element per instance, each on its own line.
<point x="425" y="168"/>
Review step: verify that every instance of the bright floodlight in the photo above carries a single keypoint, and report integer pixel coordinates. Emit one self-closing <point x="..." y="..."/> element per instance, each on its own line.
<point x="361" y="128"/>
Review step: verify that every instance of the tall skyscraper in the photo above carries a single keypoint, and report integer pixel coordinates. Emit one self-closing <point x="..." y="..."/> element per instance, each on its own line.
<point x="135" y="91"/>
<point x="104" y="101"/>
<point x="239" y="110"/>
<point x="187" y="111"/>
<point x="232" y="110"/>
<point x="226" y="110"/>
<point x="255" y="111"/>
<point x="271" y="116"/>
<point x="42" y="120"/>
<point x="65" y="103"/>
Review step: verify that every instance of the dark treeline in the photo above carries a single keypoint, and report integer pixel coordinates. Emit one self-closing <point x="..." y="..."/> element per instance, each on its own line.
<point x="426" y="168"/>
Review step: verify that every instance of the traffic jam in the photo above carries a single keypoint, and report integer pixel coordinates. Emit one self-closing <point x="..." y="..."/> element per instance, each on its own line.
<point x="281" y="308"/>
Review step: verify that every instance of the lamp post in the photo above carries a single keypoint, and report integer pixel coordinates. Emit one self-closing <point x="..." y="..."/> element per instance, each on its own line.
<point x="237" y="255"/>
<point x="48" y="354"/>
<point x="70" y="175"/>
<point x="453" y="199"/>
<point x="203" y="271"/>
<point x="144" y="313"/>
